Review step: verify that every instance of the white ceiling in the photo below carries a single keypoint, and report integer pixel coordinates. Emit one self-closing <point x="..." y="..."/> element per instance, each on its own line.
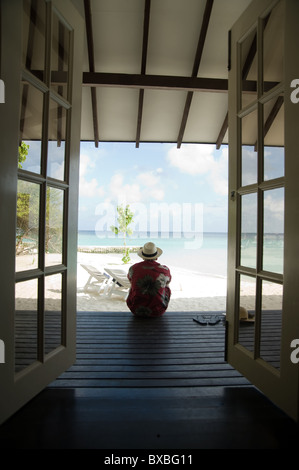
<point x="173" y="35"/>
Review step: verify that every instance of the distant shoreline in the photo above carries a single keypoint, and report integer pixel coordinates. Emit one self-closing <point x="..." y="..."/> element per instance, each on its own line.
<point x="106" y="249"/>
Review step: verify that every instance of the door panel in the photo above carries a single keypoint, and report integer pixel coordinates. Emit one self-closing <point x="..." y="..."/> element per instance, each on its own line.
<point x="43" y="118"/>
<point x="262" y="306"/>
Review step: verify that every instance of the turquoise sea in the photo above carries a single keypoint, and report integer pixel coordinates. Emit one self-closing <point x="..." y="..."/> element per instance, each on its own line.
<point x="204" y="253"/>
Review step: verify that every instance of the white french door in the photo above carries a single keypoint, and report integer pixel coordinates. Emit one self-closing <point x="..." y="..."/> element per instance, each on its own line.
<point x="41" y="59"/>
<point x="263" y="272"/>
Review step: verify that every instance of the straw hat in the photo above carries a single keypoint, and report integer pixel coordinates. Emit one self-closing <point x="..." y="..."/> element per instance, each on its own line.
<point x="149" y="251"/>
<point x="245" y="316"/>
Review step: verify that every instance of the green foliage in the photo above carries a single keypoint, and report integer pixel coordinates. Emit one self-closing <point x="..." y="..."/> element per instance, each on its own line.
<point x="23" y="152"/>
<point x="124" y="219"/>
<point x="28" y="217"/>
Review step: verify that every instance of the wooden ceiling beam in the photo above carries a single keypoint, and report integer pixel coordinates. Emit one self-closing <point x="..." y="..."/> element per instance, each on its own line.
<point x="152" y="82"/>
<point x="159" y="82"/>
<point x="200" y="47"/>
<point x="90" y="46"/>
<point x="147" y="10"/>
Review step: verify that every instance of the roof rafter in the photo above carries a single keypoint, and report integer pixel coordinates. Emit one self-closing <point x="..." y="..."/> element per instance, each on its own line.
<point x="147" y="9"/>
<point x="200" y="46"/>
<point x="161" y="82"/>
<point x="158" y="82"/>
<point x="90" y="46"/>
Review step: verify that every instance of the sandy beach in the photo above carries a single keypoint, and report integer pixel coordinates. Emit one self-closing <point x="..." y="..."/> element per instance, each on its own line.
<point x="191" y="291"/>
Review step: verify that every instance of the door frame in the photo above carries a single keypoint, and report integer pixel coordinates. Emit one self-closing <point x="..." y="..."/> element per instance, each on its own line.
<point x="280" y="387"/>
<point x="18" y="389"/>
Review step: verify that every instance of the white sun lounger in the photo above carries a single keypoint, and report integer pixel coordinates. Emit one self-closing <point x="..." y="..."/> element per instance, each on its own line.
<point x="120" y="282"/>
<point x="101" y="283"/>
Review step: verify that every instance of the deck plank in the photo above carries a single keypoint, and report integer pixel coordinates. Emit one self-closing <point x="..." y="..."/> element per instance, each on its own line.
<point x="118" y="350"/>
<point x="148" y="385"/>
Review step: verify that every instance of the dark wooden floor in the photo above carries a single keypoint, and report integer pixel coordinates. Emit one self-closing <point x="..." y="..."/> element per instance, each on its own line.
<point x="149" y="384"/>
<point x="119" y="350"/>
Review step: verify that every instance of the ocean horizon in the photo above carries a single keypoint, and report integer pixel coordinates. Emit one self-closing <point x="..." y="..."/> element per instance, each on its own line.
<point x="204" y="253"/>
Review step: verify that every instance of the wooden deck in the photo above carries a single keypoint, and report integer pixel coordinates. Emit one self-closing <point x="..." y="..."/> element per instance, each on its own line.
<point x="149" y="384"/>
<point x="119" y="350"/>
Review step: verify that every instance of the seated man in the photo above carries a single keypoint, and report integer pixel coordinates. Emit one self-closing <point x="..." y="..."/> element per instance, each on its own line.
<point x="149" y="293"/>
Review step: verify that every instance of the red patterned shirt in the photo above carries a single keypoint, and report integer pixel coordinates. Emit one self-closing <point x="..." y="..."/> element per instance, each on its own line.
<point x="149" y="294"/>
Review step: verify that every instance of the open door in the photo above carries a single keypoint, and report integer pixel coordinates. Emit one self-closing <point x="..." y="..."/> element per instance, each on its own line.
<point x="41" y="59"/>
<point x="263" y="251"/>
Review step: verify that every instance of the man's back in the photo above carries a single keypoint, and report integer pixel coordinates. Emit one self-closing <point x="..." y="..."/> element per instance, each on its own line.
<point x="149" y="294"/>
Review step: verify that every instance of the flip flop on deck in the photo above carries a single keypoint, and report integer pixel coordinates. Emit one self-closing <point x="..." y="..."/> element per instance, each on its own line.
<point x="214" y="320"/>
<point x="208" y="319"/>
<point x="201" y="319"/>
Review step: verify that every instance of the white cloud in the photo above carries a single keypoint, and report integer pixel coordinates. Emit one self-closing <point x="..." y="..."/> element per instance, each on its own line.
<point x="218" y="176"/>
<point x="123" y="193"/>
<point x="157" y="194"/>
<point x="148" y="179"/>
<point x="192" y="159"/>
<point x="274" y="212"/>
<point x="200" y="160"/>
<point x="85" y="164"/>
<point x="88" y="188"/>
<point x="151" y="185"/>
<point x="147" y="186"/>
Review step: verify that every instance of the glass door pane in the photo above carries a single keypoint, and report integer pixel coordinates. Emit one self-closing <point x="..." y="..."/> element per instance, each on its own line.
<point x="247" y="296"/>
<point x="31" y="125"/>
<point x="26" y="324"/>
<point x="56" y="143"/>
<point x="27" y="234"/>
<point x="54" y="226"/>
<point x="271" y="323"/>
<point x="34" y="34"/>
<point x="248" y="230"/>
<point x="53" y="312"/>
<point x="273" y="243"/>
<point x="249" y="156"/>
<point x="248" y="71"/>
<point x="273" y="50"/>
<point x="60" y="57"/>
<point x="274" y="155"/>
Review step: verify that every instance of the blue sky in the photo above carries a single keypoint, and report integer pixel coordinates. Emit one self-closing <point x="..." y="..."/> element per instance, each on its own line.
<point x="188" y="186"/>
<point x="154" y="174"/>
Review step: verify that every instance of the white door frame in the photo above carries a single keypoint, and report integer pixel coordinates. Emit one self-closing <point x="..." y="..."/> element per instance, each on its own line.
<point x="17" y="389"/>
<point x="280" y="386"/>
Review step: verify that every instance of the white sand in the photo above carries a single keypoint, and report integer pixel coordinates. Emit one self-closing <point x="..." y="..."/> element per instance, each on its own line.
<point x="190" y="290"/>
